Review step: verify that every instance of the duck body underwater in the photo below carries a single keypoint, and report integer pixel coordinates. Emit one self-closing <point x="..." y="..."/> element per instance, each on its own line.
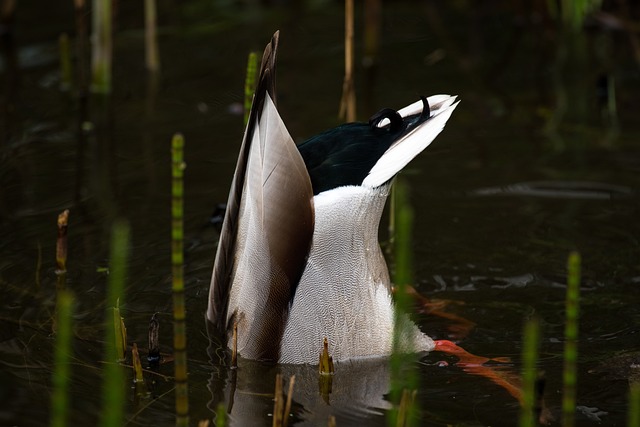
<point x="298" y="259"/>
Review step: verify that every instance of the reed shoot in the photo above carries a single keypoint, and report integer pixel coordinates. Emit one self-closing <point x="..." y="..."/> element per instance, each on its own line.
<point x="569" y="379"/>
<point x="177" y="262"/>
<point x="61" y="371"/>
<point x="633" y="419"/>
<point x="152" y="55"/>
<point x="102" y="47"/>
<point x="114" y="377"/>
<point x="403" y="379"/>
<point x="65" y="62"/>
<point x="529" y="372"/>
<point x="250" y="84"/>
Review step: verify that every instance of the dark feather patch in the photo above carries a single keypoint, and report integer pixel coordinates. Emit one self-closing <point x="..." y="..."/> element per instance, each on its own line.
<point x="344" y="155"/>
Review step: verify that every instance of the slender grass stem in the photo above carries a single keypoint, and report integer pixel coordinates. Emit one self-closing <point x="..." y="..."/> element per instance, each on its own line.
<point x="177" y="262"/>
<point x="65" y="62"/>
<point x="102" y="47"/>
<point x="61" y="372"/>
<point x="250" y="84"/>
<point x="114" y="376"/>
<point x="348" y="102"/>
<point x="633" y="419"/>
<point x="404" y="380"/>
<point x="529" y="372"/>
<point x="152" y="55"/>
<point x="569" y="377"/>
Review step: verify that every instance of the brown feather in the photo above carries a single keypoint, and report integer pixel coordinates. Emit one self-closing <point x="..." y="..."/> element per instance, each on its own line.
<point x="272" y="178"/>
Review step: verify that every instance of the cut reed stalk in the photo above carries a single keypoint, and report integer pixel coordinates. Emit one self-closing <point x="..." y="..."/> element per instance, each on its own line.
<point x="61" y="259"/>
<point x="278" y="402"/>
<point x="569" y="377"/>
<point x="113" y="387"/>
<point x="137" y="365"/>
<point x="152" y="55"/>
<point x="177" y="262"/>
<point x="61" y="243"/>
<point x="348" y="102"/>
<point x="529" y="372"/>
<point x="120" y="333"/>
<point x="250" y="84"/>
<point x="153" y="356"/>
<point x="61" y="371"/>
<point x="287" y="406"/>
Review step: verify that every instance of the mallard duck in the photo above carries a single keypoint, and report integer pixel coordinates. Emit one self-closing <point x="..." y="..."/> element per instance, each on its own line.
<point x="298" y="259"/>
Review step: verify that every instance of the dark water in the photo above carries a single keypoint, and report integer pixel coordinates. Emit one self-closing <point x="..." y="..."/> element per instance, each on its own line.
<point x="500" y="199"/>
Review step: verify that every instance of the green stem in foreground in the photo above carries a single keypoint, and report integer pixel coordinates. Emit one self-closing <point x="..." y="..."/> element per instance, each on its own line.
<point x="114" y="376"/>
<point x="177" y="269"/>
<point x="634" y="405"/>
<point x="61" y="372"/>
<point x="569" y="379"/>
<point x="250" y="84"/>
<point x="403" y="378"/>
<point x="102" y="47"/>
<point x="529" y="372"/>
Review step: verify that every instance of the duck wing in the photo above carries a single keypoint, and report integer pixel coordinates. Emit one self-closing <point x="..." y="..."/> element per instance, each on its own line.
<point x="268" y="225"/>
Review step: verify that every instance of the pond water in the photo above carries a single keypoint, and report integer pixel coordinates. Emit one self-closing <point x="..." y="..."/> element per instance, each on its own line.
<point x="532" y="165"/>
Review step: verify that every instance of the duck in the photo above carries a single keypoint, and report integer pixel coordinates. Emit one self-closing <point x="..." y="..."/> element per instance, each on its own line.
<point x="298" y="260"/>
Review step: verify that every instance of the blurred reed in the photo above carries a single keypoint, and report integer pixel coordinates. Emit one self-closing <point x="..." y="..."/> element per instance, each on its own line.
<point x="62" y="358"/>
<point x="65" y="62"/>
<point x="114" y="377"/>
<point x="348" y="101"/>
<point x="404" y="379"/>
<point x="152" y="55"/>
<point x="569" y="377"/>
<point x="102" y="47"/>
<point x="633" y="419"/>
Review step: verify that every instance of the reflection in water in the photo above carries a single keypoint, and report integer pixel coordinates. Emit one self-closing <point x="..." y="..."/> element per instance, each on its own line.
<point x="559" y="189"/>
<point x="356" y="392"/>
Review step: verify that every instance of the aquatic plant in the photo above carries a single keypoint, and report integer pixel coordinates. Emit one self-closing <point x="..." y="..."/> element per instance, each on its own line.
<point x="404" y="379"/>
<point x="250" y="84"/>
<point x="569" y="376"/>
<point x="61" y="370"/>
<point x="177" y="274"/>
<point x="529" y="372"/>
<point x="113" y="391"/>
<point x="102" y="47"/>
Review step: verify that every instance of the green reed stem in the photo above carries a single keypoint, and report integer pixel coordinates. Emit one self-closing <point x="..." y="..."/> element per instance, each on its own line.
<point x="250" y="84"/>
<point x="114" y="376"/>
<point x="569" y="377"/>
<point x="529" y="372"/>
<point x="61" y="371"/>
<point x="221" y="415"/>
<point x="177" y="262"/>
<point x="102" y="47"/>
<point x="634" y="405"/>
<point x="152" y="55"/>
<point x="403" y="379"/>
<point x="65" y="62"/>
